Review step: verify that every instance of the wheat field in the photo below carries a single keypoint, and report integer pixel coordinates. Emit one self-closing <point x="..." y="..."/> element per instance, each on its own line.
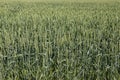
<point x="59" y="40"/>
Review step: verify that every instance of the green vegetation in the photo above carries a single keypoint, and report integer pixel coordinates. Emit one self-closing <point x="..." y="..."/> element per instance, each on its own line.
<point x="59" y="40"/>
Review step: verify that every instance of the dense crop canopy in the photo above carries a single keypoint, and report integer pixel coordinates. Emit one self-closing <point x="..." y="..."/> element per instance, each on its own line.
<point x="59" y="41"/>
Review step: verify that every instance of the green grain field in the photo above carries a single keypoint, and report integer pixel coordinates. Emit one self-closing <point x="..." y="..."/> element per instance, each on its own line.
<point x="59" y="40"/>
